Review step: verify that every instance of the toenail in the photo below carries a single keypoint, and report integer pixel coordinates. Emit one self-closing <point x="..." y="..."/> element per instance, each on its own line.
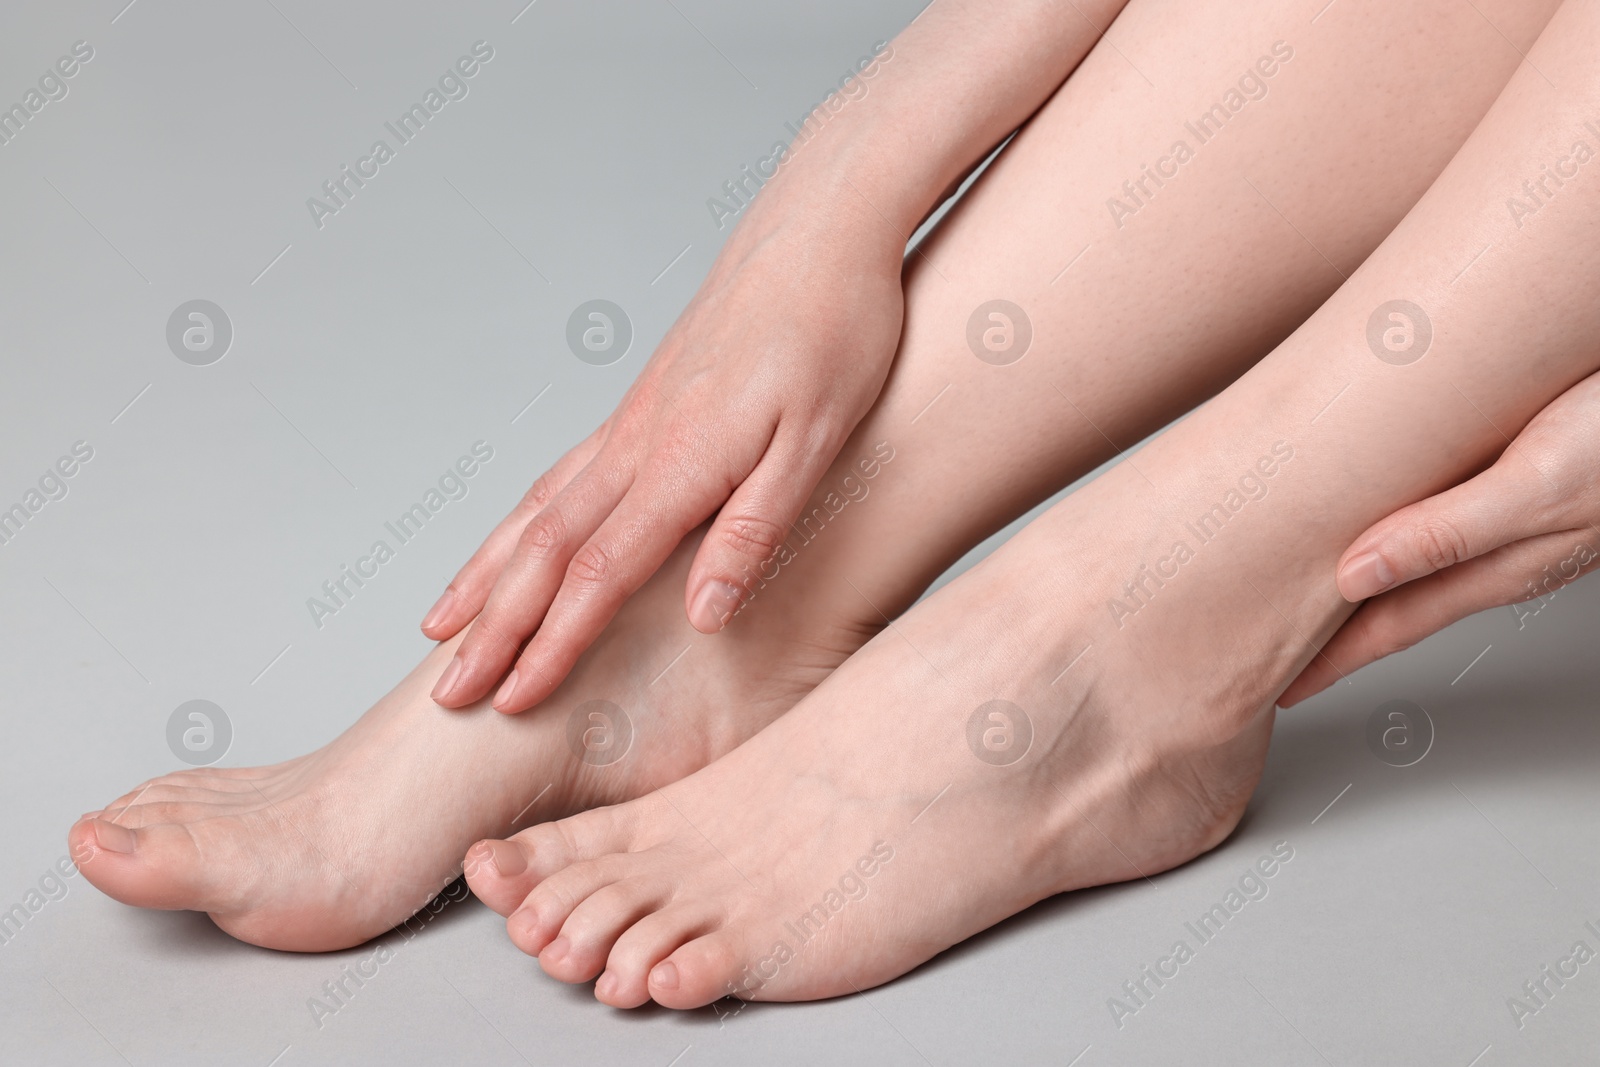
<point x="447" y="680"/>
<point x="114" y="838"/>
<point x="508" y="858"/>
<point x="500" y="857"/>
<point x="606" y="986"/>
<point x="508" y="687"/>
<point x="665" y="976"/>
<point x="556" y="951"/>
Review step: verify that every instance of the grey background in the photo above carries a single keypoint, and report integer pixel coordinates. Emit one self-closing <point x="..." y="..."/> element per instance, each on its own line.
<point x="426" y="316"/>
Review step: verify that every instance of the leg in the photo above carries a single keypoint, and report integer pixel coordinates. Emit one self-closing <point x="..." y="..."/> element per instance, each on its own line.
<point x="308" y="855"/>
<point x="889" y="842"/>
<point x="675" y="896"/>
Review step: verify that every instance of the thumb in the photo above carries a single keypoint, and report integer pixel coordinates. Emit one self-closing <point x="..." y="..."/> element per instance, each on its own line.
<point x="749" y="532"/>
<point x="1533" y="569"/>
<point x="1506" y="503"/>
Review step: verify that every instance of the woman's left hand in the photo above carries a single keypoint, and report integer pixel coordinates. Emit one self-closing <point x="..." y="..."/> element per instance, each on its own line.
<point x="1521" y="530"/>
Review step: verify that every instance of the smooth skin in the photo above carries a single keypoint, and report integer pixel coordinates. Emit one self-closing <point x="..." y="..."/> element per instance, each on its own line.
<point x="1521" y="531"/>
<point x="704" y="888"/>
<point x="1154" y="318"/>
<point x="699" y="890"/>
<point x="753" y="392"/>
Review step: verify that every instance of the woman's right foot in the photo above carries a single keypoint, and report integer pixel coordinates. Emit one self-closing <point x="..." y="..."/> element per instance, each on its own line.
<point x="334" y="847"/>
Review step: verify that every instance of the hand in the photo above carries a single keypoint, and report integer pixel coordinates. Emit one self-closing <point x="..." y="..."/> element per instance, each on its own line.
<point x="1521" y="530"/>
<point x="738" y="414"/>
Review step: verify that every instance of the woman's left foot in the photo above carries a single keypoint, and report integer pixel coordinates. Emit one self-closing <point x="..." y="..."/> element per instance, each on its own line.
<point x="1003" y="742"/>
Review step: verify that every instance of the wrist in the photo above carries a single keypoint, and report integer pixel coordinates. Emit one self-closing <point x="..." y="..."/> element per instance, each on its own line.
<point x="821" y="211"/>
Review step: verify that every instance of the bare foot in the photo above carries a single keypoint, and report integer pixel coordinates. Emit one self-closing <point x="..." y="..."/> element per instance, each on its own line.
<point x="896" y="810"/>
<point x="337" y="846"/>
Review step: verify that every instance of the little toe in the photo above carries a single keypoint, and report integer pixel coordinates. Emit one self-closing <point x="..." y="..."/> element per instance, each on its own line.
<point x="704" y="970"/>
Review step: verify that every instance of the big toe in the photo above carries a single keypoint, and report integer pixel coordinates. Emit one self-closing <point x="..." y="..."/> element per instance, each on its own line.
<point x="499" y="873"/>
<point x="502" y="873"/>
<point x="156" y="866"/>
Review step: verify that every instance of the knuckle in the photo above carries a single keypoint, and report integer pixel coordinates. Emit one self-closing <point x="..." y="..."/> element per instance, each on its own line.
<point x="754" y="537"/>
<point x="540" y="493"/>
<point x="488" y="630"/>
<point x="592" y="564"/>
<point x="1440" y="543"/>
<point x="545" y="534"/>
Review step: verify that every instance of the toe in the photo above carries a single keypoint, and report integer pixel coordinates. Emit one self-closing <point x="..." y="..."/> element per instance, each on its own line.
<point x="707" y="969"/>
<point x="625" y="983"/>
<point x="544" y="850"/>
<point x="163" y="865"/>
<point x="498" y="874"/>
<point x="535" y="924"/>
<point x="594" y="926"/>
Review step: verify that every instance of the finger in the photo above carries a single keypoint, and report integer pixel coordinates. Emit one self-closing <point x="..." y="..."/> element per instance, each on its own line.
<point x="525" y="587"/>
<point x="1517" y="574"/>
<point x="466" y="594"/>
<point x="750" y="529"/>
<point x="1506" y="503"/>
<point x="629" y="547"/>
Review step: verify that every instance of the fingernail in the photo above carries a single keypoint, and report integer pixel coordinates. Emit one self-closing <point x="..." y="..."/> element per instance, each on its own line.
<point x="1366" y="575"/>
<point x="556" y="950"/>
<point x="114" y="838"/>
<point x="665" y="976"/>
<point x="440" y="609"/>
<point x="712" y="608"/>
<point x="447" y="680"/>
<point x="507" y="687"/>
